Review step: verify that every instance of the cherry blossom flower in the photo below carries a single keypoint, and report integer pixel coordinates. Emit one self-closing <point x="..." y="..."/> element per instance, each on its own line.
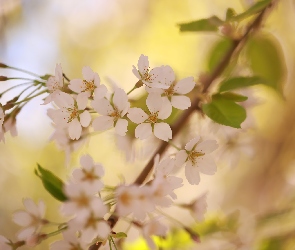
<point x="154" y="78"/>
<point x="112" y="113"/>
<point x="71" y="114"/>
<point x="5" y="243"/>
<point x="196" y="159"/>
<point x="174" y="95"/>
<point x="90" y="173"/>
<point x="197" y="207"/>
<point x="89" y="86"/>
<point x="151" y="123"/>
<point x="54" y="84"/>
<point x="69" y="242"/>
<point x="8" y="125"/>
<point x="31" y="219"/>
<point x="153" y="227"/>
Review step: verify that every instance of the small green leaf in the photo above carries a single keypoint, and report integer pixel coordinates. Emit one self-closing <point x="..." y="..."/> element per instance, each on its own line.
<point x="224" y="111"/>
<point x="45" y="77"/>
<point x="240" y="82"/>
<point x="209" y="24"/>
<point x="51" y="182"/>
<point x="230" y="13"/>
<point x="254" y="9"/>
<point x="119" y="235"/>
<point x="234" y="97"/>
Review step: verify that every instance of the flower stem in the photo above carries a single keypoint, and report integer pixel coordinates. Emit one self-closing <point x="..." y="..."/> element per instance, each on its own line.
<point x="24" y="71"/>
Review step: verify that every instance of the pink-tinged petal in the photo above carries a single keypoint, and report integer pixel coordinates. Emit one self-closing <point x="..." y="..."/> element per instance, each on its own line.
<point x="180" y="102"/>
<point x="102" y="123"/>
<point x="102" y="106"/>
<point x="125" y="110"/>
<point x="166" y="109"/>
<point x="180" y="158"/>
<point x="169" y="75"/>
<point x="31" y="206"/>
<point x="121" y="127"/>
<point x="41" y="208"/>
<point x="151" y="244"/>
<point x="76" y="85"/>
<point x="82" y="100"/>
<point x="163" y="131"/>
<point x="96" y="80"/>
<point x="154" y="102"/>
<point x="47" y="100"/>
<point x="25" y="233"/>
<point x="154" y="90"/>
<point x="143" y="131"/>
<point x="185" y="85"/>
<point x="86" y="161"/>
<point x="85" y="119"/>
<point x="78" y="174"/>
<point x="143" y="64"/>
<point x="88" y="73"/>
<point x="100" y="92"/>
<point x="190" y="145"/>
<point x="58" y="74"/>
<point x="137" y="115"/>
<point x="22" y="218"/>
<point x="64" y="100"/>
<point x="206" y="165"/>
<point x="103" y="229"/>
<point x="135" y="72"/>
<point x="75" y="129"/>
<point x="207" y="146"/>
<point x="192" y="173"/>
<point x="120" y="99"/>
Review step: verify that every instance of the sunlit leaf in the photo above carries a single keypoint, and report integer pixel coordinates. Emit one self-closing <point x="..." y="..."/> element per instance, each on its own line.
<point x="209" y="24"/>
<point x="234" y="97"/>
<point x="225" y="111"/>
<point x="51" y="182"/>
<point x="119" y="235"/>
<point x="45" y="77"/>
<point x="241" y="82"/>
<point x="230" y="13"/>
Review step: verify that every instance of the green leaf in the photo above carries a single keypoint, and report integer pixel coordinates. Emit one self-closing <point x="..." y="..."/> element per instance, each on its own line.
<point x="230" y="13"/>
<point x="234" y="97"/>
<point x="45" y="77"/>
<point x="119" y="235"/>
<point x="218" y="52"/>
<point x="209" y="24"/>
<point x="51" y="182"/>
<point x="224" y="111"/>
<point x="266" y="60"/>
<point x="240" y="82"/>
<point x="254" y="9"/>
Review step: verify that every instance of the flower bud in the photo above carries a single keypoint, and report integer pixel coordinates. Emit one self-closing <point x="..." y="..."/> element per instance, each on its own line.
<point x="3" y="78"/>
<point x="2" y="65"/>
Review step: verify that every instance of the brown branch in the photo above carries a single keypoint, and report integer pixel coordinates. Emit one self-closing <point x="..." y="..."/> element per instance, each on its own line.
<point x="237" y="45"/>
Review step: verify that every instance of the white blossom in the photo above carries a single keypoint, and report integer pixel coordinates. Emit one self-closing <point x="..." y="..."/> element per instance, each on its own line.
<point x="152" y="123"/>
<point x="196" y="159"/>
<point x="70" y="242"/>
<point x="4" y="243"/>
<point x="112" y="113"/>
<point x="89" y="86"/>
<point x="54" y="84"/>
<point x="153" y="227"/>
<point x="154" y="78"/>
<point x="8" y="125"/>
<point x="71" y="115"/>
<point x="31" y="219"/>
<point x="90" y="173"/>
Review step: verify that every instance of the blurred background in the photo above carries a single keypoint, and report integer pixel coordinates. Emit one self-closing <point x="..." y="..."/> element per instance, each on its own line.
<point x="109" y="36"/>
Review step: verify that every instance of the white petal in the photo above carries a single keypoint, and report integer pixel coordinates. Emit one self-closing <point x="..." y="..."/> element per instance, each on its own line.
<point x="88" y="73"/>
<point x="96" y="80"/>
<point x="31" y="206"/>
<point x="100" y="92"/>
<point x="58" y="74"/>
<point x="86" y="161"/>
<point x="121" y="127"/>
<point x="25" y="233"/>
<point x="103" y="123"/>
<point x="185" y="85"/>
<point x="180" y="102"/>
<point x="143" y="131"/>
<point x="137" y="115"/>
<point x="102" y="106"/>
<point x="103" y="229"/>
<point x="180" y="158"/>
<point x="82" y="100"/>
<point x="41" y="208"/>
<point x="135" y="72"/>
<point x="75" y="129"/>
<point x="166" y="109"/>
<point x="120" y="99"/>
<point x="206" y="165"/>
<point x="76" y="85"/>
<point x="22" y="218"/>
<point x="207" y="147"/>
<point x="192" y="173"/>
<point x="163" y="131"/>
<point x="143" y="64"/>
<point x="85" y="118"/>
<point x="154" y="102"/>
<point x="189" y="146"/>
<point x="169" y="75"/>
<point x="63" y="100"/>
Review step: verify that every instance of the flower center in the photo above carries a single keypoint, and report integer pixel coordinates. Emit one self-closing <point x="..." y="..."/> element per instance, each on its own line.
<point x="74" y="113"/>
<point x="193" y="155"/>
<point x="91" y="222"/>
<point x="82" y="200"/>
<point x="153" y="118"/>
<point x="170" y="91"/>
<point x="89" y="175"/>
<point x="88" y="85"/>
<point x="116" y="114"/>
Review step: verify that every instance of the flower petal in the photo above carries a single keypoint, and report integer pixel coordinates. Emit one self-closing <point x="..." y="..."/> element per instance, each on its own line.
<point x="82" y="100"/>
<point x="180" y="102"/>
<point x="102" y="106"/>
<point x="85" y="119"/>
<point x="189" y="146"/>
<point x="100" y="92"/>
<point x="22" y="218"/>
<point x="180" y="158"/>
<point x="207" y="146"/>
<point x="86" y="161"/>
<point x="121" y="127"/>
<point x="120" y="99"/>
<point x="143" y="131"/>
<point x="185" y="85"/>
<point x="166" y="109"/>
<point x="154" y="102"/>
<point x="143" y="64"/>
<point x="88" y="73"/>
<point x="163" y="131"/>
<point x="192" y="173"/>
<point x="75" y="129"/>
<point x="103" y="123"/>
<point x="76" y="85"/>
<point x="137" y="115"/>
<point x="206" y="165"/>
